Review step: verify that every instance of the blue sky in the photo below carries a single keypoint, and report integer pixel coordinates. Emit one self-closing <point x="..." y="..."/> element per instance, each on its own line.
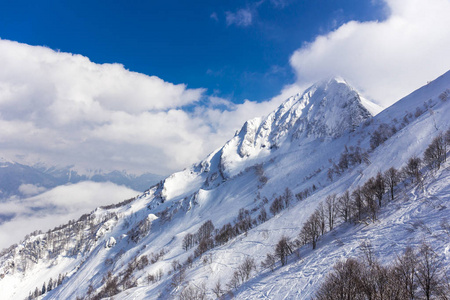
<point x="154" y="86"/>
<point x="236" y="49"/>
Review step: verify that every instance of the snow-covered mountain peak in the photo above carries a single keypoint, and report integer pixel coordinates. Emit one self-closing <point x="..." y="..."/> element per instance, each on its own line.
<point x="325" y="110"/>
<point x="331" y="81"/>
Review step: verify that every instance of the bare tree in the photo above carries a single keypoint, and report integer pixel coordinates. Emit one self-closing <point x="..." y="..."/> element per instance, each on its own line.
<point x="190" y="261"/>
<point x="379" y="186"/>
<point x="369" y="256"/>
<point x="217" y="289"/>
<point x="205" y="231"/>
<point x="391" y="178"/>
<point x="369" y="193"/>
<point x="311" y="230"/>
<point x="244" y="221"/>
<point x="247" y="267"/>
<point x="142" y="262"/>
<point x="90" y="291"/>
<point x="178" y="278"/>
<point x="358" y="203"/>
<point x="235" y="281"/>
<point x="50" y="285"/>
<point x="436" y="153"/>
<point x="188" y="241"/>
<point x="151" y="278"/>
<point x="331" y="210"/>
<point x="444" y="95"/>
<point x="405" y="271"/>
<point x="288" y="196"/>
<point x="381" y="283"/>
<point x="269" y="262"/>
<point x="343" y="283"/>
<point x="204" y="245"/>
<point x="283" y="249"/>
<point x="380" y="135"/>
<point x="344" y="206"/>
<point x="429" y="266"/>
<point x="321" y="217"/>
<point x="159" y="274"/>
<point x="175" y="265"/>
<point x="262" y="217"/>
<point x="277" y="205"/>
<point x="111" y="287"/>
<point x="412" y="168"/>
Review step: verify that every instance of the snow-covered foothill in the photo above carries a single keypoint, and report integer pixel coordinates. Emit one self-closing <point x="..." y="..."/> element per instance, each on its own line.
<point x="292" y="149"/>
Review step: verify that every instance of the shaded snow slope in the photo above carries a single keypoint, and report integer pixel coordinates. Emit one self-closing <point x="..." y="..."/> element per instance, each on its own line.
<point x="291" y="148"/>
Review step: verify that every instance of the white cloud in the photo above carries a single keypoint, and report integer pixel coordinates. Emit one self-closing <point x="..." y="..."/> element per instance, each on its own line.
<point x="55" y="207"/>
<point x="243" y="17"/>
<point x="280" y="3"/>
<point x="214" y="16"/>
<point x="62" y="109"/>
<point x="28" y="189"/>
<point x="388" y="59"/>
<point x="59" y="108"/>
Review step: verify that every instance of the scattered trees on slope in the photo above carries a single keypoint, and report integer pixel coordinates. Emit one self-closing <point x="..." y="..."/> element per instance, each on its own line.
<point x="417" y="274"/>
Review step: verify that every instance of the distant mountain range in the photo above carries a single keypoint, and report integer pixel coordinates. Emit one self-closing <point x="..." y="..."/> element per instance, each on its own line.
<point x="23" y="180"/>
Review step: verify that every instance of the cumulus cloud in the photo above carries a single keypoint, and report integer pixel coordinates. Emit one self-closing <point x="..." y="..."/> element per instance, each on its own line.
<point x="243" y="17"/>
<point x="55" y="207"/>
<point x="387" y="59"/>
<point x="28" y="189"/>
<point x="62" y="109"/>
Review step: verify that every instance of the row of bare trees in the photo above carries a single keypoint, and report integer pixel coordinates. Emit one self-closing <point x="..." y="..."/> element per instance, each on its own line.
<point x="207" y="236"/>
<point x="416" y="274"/>
<point x="385" y="131"/>
<point x="352" y="156"/>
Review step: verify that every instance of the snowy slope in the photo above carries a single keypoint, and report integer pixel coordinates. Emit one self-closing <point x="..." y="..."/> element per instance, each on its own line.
<point x="291" y="148"/>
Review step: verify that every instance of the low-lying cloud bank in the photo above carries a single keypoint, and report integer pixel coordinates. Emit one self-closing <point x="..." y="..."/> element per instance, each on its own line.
<point x="57" y="206"/>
